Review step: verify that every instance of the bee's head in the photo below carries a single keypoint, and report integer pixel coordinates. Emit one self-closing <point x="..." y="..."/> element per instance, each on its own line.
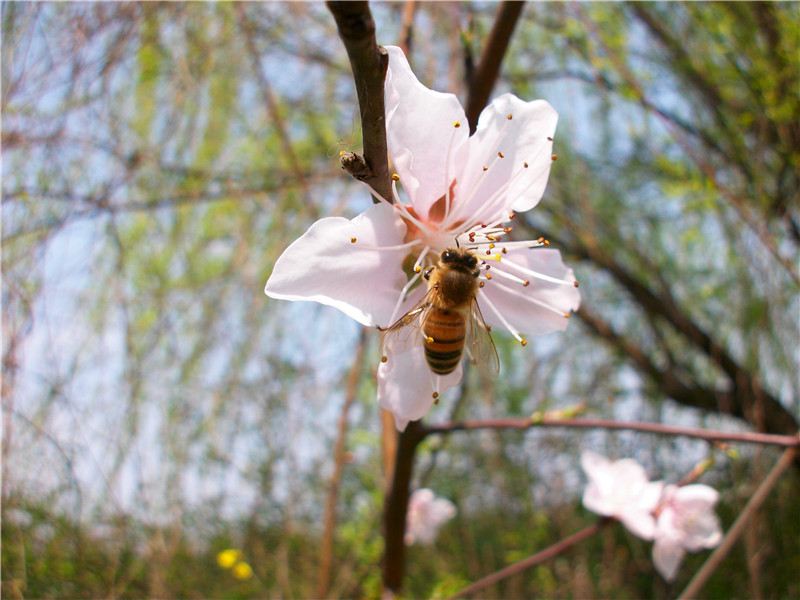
<point x="458" y="257"/>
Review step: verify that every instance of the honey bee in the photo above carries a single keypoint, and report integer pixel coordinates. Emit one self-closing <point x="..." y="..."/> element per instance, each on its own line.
<point x="447" y="318"/>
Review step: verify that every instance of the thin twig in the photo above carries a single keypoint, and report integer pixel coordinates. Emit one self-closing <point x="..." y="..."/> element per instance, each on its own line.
<point x="326" y="554"/>
<point x="485" y="74"/>
<point x="755" y="502"/>
<point x="369" y="63"/>
<point x="532" y="561"/>
<point x="657" y="428"/>
<point x="271" y="103"/>
<point x="407" y="32"/>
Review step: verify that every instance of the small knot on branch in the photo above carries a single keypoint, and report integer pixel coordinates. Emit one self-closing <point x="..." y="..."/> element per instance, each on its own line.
<point x="355" y="165"/>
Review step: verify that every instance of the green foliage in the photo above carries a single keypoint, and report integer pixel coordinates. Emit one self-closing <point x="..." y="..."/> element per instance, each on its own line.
<point x="158" y="409"/>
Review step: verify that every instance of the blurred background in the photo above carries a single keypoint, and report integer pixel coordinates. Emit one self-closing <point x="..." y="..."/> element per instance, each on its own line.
<point x="159" y="409"/>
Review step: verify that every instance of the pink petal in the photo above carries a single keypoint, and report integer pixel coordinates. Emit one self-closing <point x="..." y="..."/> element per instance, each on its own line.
<point x="667" y="557"/>
<point x="539" y="307"/>
<point x="324" y="266"/>
<point x="525" y="138"/>
<point x="405" y="386"/>
<point x="694" y="509"/>
<point x="419" y="130"/>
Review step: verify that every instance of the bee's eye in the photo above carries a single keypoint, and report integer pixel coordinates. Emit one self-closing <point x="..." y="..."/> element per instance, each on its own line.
<point x="447" y="256"/>
<point x="471" y="262"/>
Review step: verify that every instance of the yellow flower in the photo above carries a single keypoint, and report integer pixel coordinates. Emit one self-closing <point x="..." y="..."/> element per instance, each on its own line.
<point x="242" y="570"/>
<point x="228" y="558"/>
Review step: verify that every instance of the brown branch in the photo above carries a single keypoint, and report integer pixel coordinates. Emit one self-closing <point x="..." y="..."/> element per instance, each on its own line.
<point x="532" y="561"/>
<point x="326" y="554"/>
<point x="701" y="577"/>
<point x="394" y="558"/>
<point x="485" y="74"/>
<point x="369" y="63"/>
<point x="582" y="423"/>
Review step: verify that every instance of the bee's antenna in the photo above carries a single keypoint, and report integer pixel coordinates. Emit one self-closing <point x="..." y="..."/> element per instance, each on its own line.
<point x="457" y="244"/>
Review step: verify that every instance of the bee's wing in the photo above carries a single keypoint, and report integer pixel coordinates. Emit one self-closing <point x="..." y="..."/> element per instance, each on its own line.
<point x="404" y="334"/>
<point x="479" y="344"/>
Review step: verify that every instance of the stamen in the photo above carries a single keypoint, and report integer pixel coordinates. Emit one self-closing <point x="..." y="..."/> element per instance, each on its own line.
<point x="395" y="177"/>
<point x="510" y="277"/>
<point x="503" y="320"/>
<point x="447" y="199"/>
<point x="531" y="299"/>
<point x="410" y="244"/>
<point x="384" y="359"/>
<point x="405" y="289"/>
<point x="530" y="273"/>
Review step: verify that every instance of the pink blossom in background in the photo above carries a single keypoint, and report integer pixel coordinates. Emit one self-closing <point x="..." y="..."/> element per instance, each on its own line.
<point x="686" y="523"/>
<point x="621" y="489"/>
<point x="426" y="514"/>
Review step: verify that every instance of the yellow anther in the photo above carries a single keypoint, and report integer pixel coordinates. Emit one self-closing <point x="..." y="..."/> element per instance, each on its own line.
<point x="523" y="342"/>
<point x="417" y="269"/>
<point x="549" y="139"/>
<point x="525" y="165"/>
<point x="526" y="283"/>
<point x="436" y="397"/>
<point x="488" y="276"/>
<point x="491" y="245"/>
<point x="540" y="240"/>
<point x="457" y="124"/>
<point x="429" y="340"/>
<point x="554" y="157"/>
<point x="480" y="284"/>
<point x="509" y="116"/>
<point x="504" y="251"/>
<point x="342" y="153"/>
<point x="384" y="358"/>
<point x="395" y="177"/>
<point x="566" y="315"/>
<point x="489" y="328"/>
<point x="576" y="284"/>
<point x="501" y="155"/>
<point x="485" y="168"/>
<point x="352" y="240"/>
<point x="547" y="242"/>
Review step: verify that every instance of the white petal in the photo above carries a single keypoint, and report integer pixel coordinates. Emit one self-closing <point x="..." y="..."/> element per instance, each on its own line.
<point x="696" y="494"/>
<point x="522" y="139"/>
<point x="539" y="307"/>
<point x="324" y="266"/>
<point x="419" y="130"/>
<point x="640" y="523"/>
<point x="667" y="556"/>
<point x="405" y="386"/>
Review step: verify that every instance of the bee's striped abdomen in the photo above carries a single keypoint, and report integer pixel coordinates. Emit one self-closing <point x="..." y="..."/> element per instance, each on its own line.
<point x="447" y="329"/>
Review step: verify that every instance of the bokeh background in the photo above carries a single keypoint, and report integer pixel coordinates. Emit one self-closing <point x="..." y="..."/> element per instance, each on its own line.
<point x="158" y="408"/>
